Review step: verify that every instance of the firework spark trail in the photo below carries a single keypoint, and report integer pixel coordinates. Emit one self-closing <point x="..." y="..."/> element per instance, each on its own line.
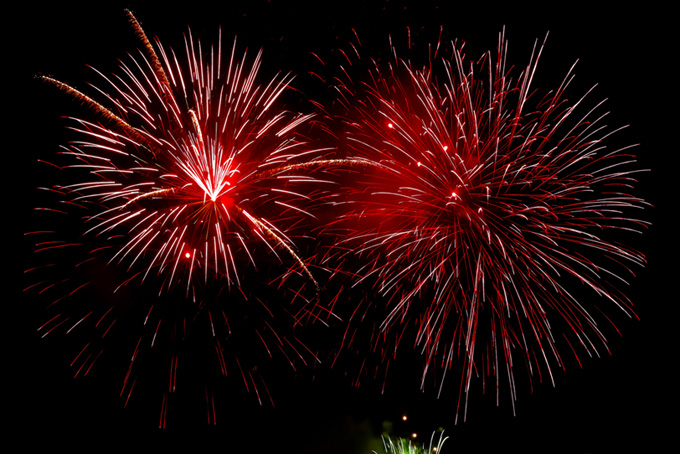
<point x="487" y="205"/>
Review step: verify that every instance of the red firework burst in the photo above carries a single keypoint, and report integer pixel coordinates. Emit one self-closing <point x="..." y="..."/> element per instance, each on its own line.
<point x="186" y="159"/>
<point x="485" y="205"/>
<point x="193" y="177"/>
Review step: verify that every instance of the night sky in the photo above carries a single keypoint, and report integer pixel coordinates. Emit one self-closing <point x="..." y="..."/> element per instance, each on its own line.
<point x="621" y="403"/>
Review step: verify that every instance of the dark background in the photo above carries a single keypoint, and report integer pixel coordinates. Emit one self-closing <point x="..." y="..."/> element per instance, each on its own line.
<point x="624" y="403"/>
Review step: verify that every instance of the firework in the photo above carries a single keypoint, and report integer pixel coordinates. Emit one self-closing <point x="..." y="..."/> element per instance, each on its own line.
<point x="185" y="182"/>
<point x="404" y="446"/>
<point x="489" y="208"/>
<point x="190" y="177"/>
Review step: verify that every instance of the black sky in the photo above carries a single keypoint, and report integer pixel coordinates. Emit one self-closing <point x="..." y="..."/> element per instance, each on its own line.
<point x="620" y="403"/>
